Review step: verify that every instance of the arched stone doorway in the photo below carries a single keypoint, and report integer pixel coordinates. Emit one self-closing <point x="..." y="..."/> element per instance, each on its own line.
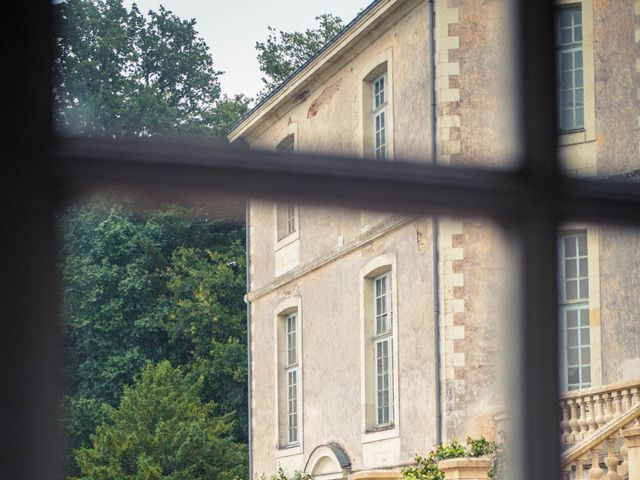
<point x="328" y="462"/>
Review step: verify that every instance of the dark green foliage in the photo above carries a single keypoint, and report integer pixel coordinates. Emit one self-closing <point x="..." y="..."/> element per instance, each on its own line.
<point x="426" y="468"/>
<point x="142" y="286"/>
<point x="119" y="73"/>
<point x="162" y="430"/>
<point x="284" y="52"/>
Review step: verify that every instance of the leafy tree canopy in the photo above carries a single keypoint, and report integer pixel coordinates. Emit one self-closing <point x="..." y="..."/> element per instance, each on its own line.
<point x="162" y="431"/>
<point x="142" y="286"/>
<point x="284" y="52"/>
<point x="120" y="73"/>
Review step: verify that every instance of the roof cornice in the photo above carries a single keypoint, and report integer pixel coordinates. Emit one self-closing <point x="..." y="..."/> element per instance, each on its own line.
<point x="296" y="88"/>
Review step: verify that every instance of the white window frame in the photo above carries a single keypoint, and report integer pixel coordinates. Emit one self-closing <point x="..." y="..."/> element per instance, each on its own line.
<point x="384" y="265"/>
<point x="287" y="214"/>
<point x="383" y="341"/>
<point x="380" y="65"/>
<point x="574" y="48"/>
<point x="288" y="377"/>
<point x="291" y="376"/>
<point x="579" y="304"/>
<point x="379" y="115"/>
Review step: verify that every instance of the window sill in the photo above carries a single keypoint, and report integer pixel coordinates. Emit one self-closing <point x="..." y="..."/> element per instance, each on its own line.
<point x="289" y="450"/>
<point x="572" y="137"/>
<point x="380" y="433"/>
<point x="287" y="240"/>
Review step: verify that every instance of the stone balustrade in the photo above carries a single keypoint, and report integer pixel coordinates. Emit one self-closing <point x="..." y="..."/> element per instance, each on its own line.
<point x="616" y="447"/>
<point x="585" y="411"/>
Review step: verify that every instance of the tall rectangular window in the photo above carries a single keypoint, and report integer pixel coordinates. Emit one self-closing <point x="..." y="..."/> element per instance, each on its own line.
<point x="379" y="112"/>
<point x="287" y="213"/>
<point x="383" y="350"/>
<point x="291" y="375"/>
<point x="574" y="311"/>
<point x="570" y="69"/>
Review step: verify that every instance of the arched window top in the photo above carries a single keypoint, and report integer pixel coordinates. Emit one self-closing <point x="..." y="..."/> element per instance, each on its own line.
<point x="328" y="462"/>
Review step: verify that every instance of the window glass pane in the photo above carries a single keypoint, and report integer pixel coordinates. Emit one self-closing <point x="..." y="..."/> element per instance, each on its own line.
<point x="566" y="60"/>
<point x="572" y="338"/>
<point x="573" y="356"/>
<point x="584" y="317"/>
<point x="571" y="289"/>
<point x="570" y="268"/>
<point x="566" y="36"/>
<point x="586" y="355"/>
<point x="578" y="61"/>
<point x="574" y="375"/>
<point x="584" y="336"/>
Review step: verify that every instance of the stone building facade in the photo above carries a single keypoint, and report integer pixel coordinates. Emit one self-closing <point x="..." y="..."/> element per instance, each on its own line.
<point x="367" y="345"/>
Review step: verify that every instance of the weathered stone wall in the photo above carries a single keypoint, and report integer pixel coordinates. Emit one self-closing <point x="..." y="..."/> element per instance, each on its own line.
<point x="475" y="110"/>
<point x="331" y="355"/>
<point x="620" y="303"/>
<point x="617" y="85"/>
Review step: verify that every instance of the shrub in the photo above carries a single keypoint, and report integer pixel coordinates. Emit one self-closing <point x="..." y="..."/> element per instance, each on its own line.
<point x="426" y="468"/>
<point x="281" y="476"/>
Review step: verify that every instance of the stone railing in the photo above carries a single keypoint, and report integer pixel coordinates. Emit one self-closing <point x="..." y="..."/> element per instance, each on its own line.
<point x="586" y="411"/>
<point x="615" y="446"/>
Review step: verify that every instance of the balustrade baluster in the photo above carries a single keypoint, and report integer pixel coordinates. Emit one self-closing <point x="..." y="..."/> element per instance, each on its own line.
<point x="595" y="472"/>
<point x="617" y="405"/>
<point x="626" y="399"/>
<point x="580" y="467"/>
<point x="608" y="407"/>
<point x="599" y="410"/>
<point x="574" y="436"/>
<point x="566" y="472"/>
<point x="564" y="424"/>
<point x="591" y="415"/>
<point x="611" y="460"/>
<point x="623" y="469"/>
<point x="582" y="420"/>
<point x="635" y="397"/>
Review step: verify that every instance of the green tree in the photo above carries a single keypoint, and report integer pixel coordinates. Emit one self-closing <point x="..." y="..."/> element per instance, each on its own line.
<point x="284" y="52"/>
<point x="161" y="430"/>
<point x="140" y="286"/>
<point x="120" y="73"/>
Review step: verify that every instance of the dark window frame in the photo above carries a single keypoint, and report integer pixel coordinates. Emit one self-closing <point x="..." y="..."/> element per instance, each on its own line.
<point x="42" y="171"/>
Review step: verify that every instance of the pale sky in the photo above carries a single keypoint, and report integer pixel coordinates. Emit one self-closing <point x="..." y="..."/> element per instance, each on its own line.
<point x="232" y="27"/>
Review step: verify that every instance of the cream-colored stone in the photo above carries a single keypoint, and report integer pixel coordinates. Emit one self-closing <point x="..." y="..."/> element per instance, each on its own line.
<point x="458" y="359"/>
<point x="449" y="95"/>
<point x="454" y="279"/>
<point x="376" y="475"/>
<point x="457" y="332"/>
<point x="466" y="468"/>
<point x="453" y="254"/>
